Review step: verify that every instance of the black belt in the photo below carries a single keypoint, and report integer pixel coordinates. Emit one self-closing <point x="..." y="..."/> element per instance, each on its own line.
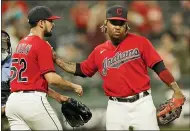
<point x="28" y="91"/>
<point x="131" y="99"/>
<point x="31" y="91"/>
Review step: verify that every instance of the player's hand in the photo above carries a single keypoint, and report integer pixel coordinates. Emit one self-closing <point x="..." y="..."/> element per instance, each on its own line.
<point x="63" y="98"/>
<point x="78" y="89"/>
<point x="178" y="94"/>
<point x="177" y="100"/>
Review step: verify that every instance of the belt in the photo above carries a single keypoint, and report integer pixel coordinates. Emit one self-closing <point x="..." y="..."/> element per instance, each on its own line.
<point x="29" y="91"/>
<point x="131" y="99"/>
<point x="32" y="92"/>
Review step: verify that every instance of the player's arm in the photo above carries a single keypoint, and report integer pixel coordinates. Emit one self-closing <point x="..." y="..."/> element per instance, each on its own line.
<point x="55" y="95"/>
<point x="167" y="78"/>
<point x="47" y="69"/>
<point x="54" y="79"/>
<point x="154" y="61"/>
<point x="178" y="98"/>
<point x="85" y="69"/>
<point x="70" y="67"/>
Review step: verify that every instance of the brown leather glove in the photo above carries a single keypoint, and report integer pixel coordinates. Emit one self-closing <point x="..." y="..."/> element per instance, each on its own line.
<point x="169" y="110"/>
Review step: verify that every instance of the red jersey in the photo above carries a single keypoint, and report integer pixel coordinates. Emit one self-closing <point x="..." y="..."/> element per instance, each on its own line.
<point x="122" y="68"/>
<point x="31" y="60"/>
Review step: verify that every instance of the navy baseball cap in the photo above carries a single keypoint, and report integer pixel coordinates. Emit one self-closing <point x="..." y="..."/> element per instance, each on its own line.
<point x="41" y="13"/>
<point x="116" y="12"/>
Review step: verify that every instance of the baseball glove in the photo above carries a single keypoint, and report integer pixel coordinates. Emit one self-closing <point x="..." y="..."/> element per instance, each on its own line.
<point x="75" y="112"/>
<point x="169" y="110"/>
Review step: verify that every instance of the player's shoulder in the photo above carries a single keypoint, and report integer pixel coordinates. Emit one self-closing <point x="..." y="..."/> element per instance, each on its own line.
<point x="136" y="36"/>
<point x="36" y="42"/>
<point x="101" y="46"/>
<point x="38" y="39"/>
<point x="35" y="39"/>
<point x="31" y="39"/>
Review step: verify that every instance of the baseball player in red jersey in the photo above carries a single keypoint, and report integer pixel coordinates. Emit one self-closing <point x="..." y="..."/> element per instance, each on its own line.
<point x="122" y="63"/>
<point x="32" y="70"/>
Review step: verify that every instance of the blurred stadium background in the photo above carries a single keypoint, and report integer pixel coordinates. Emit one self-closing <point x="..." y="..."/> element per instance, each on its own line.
<point x="165" y="23"/>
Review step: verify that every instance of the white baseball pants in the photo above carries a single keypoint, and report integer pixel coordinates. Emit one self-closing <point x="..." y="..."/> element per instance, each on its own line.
<point x="31" y="111"/>
<point x="141" y="115"/>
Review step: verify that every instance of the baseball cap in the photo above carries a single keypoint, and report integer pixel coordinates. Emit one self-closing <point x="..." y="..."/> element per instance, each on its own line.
<point x="116" y="12"/>
<point x="41" y="13"/>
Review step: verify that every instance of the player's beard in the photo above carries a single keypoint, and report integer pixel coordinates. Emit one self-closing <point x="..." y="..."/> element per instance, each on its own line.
<point x="47" y="33"/>
<point x="117" y="41"/>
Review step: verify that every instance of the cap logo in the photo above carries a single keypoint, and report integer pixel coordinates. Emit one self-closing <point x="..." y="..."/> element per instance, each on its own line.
<point x="119" y="11"/>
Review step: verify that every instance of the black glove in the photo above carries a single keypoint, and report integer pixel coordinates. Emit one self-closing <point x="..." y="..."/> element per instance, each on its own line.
<point x="76" y="113"/>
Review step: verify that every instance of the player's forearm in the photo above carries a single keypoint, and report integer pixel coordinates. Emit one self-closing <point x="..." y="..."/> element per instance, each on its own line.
<point x="166" y="76"/>
<point x="177" y="91"/>
<point x="174" y="86"/>
<point x="69" y="67"/>
<point x="168" y="79"/>
<point x="55" y="95"/>
<point x="54" y="79"/>
<point x="62" y="83"/>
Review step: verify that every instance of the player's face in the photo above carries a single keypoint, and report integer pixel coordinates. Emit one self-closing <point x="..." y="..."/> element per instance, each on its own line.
<point x="116" y="29"/>
<point x="49" y="25"/>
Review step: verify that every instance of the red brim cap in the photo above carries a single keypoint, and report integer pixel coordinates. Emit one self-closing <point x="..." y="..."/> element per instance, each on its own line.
<point x="117" y="18"/>
<point x="53" y="17"/>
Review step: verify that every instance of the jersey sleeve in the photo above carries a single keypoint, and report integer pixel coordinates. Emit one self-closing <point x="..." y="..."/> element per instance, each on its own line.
<point x="150" y="55"/>
<point x="88" y="67"/>
<point x="45" y="58"/>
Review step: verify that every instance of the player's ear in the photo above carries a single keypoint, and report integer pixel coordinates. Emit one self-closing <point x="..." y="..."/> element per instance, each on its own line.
<point x="41" y="23"/>
<point x="127" y="28"/>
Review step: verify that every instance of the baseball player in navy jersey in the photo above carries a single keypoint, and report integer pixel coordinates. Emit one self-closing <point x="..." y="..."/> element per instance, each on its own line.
<point x="122" y="63"/>
<point x="32" y="70"/>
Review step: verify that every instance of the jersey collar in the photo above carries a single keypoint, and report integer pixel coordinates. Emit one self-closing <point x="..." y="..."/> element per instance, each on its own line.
<point x="115" y="48"/>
